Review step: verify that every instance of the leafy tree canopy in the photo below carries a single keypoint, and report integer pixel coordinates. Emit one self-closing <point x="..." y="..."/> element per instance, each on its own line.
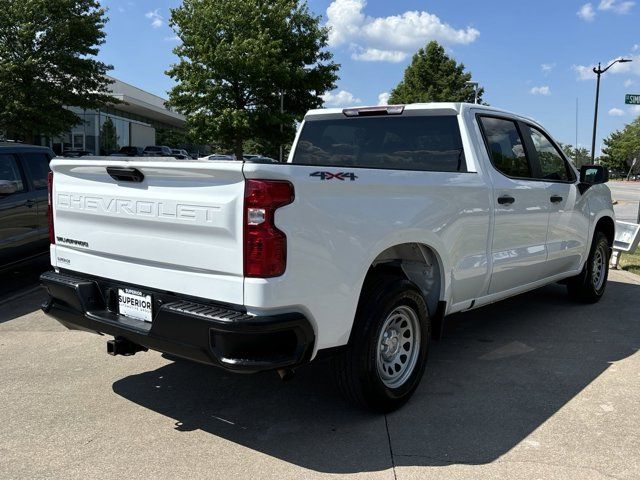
<point x="47" y="50"/>
<point x="237" y="57"/>
<point x="622" y="147"/>
<point x="433" y="76"/>
<point x="109" y="140"/>
<point x="579" y="156"/>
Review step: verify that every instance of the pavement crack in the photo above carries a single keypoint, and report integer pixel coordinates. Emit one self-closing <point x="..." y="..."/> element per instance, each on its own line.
<point x="393" y="462"/>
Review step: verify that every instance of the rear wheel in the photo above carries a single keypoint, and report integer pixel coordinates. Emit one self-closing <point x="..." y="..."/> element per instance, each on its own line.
<point x="589" y="286"/>
<point x="386" y="358"/>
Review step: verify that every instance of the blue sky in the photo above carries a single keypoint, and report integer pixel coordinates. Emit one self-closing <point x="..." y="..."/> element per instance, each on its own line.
<point x="533" y="58"/>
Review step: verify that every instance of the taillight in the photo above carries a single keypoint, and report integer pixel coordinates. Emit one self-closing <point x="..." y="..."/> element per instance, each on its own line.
<point x="265" y="247"/>
<point x="52" y="236"/>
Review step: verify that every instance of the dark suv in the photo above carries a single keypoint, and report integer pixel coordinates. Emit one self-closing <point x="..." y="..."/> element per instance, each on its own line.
<point x="157" y="151"/>
<point x="24" y="231"/>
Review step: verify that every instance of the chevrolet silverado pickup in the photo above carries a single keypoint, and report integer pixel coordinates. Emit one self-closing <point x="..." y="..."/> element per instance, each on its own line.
<point x="383" y="221"/>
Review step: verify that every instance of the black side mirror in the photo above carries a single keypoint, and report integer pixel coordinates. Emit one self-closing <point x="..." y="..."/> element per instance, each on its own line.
<point x="7" y="188"/>
<point x="592" y="175"/>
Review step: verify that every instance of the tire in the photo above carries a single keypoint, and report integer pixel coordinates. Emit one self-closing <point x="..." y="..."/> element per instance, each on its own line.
<point x="380" y="372"/>
<point x="589" y="286"/>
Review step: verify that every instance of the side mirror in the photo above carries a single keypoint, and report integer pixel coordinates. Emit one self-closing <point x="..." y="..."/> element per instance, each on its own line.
<point x="7" y="187"/>
<point x="592" y="175"/>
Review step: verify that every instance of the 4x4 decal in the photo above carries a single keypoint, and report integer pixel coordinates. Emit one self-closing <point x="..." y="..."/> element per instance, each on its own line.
<point x="342" y="176"/>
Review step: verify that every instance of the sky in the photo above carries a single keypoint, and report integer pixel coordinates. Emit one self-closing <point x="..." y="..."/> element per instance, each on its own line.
<point x="532" y="58"/>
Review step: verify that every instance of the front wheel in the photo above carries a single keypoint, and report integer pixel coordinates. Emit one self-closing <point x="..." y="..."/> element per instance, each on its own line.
<point x="589" y="286"/>
<point x="387" y="354"/>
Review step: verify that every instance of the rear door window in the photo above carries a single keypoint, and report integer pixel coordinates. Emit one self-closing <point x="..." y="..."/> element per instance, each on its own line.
<point x="506" y="147"/>
<point x="424" y="143"/>
<point x="37" y="167"/>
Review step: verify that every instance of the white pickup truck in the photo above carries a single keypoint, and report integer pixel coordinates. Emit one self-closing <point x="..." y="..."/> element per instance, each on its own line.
<point x="383" y="221"/>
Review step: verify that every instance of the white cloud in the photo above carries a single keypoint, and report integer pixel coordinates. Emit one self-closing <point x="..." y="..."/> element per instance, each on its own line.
<point x="345" y="19"/>
<point x="173" y="38"/>
<point x="543" y="90"/>
<point x="547" y="67"/>
<point x="584" y="72"/>
<point x="340" y="99"/>
<point x="634" y="110"/>
<point x="390" y="38"/>
<point x="586" y="12"/>
<point x="635" y="48"/>
<point x="383" y="98"/>
<point x="616" y="6"/>
<point x="628" y="82"/>
<point x="156" y="19"/>
<point x="616" y="112"/>
<point x="375" y="55"/>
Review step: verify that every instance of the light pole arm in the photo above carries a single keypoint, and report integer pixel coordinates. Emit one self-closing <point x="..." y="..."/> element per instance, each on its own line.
<point x="600" y="71"/>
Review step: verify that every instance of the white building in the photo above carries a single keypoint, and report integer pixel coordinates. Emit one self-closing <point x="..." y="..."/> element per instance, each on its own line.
<point x="134" y="122"/>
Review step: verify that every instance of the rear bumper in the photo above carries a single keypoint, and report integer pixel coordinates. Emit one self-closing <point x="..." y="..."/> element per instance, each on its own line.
<point x="194" y="329"/>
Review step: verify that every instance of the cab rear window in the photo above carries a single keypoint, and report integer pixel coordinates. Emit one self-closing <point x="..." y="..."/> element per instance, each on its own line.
<point x="424" y="143"/>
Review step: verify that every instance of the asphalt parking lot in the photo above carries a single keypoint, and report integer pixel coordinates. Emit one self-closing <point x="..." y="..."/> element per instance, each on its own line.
<point x="535" y="387"/>
<point x="627" y="196"/>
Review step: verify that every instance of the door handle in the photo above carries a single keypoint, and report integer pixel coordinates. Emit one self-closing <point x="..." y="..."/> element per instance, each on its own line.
<point x="124" y="174"/>
<point x="30" y="203"/>
<point x="556" y="198"/>
<point x="506" y="200"/>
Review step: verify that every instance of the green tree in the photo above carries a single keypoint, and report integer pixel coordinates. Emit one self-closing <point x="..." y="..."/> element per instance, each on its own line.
<point x="47" y="50"/>
<point x="237" y="57"/>
<point x="579" y="156"/>
<point x="433" y="76"/>
<point x="172" y="138"/>
<point x="622" y="147"/>
<point x="108" y="137"/>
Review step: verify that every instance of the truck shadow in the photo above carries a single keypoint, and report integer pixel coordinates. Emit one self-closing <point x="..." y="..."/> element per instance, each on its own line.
<point x="19" y="294"/>
<point x="499" y="373"/>
<point x="26" y="302"/>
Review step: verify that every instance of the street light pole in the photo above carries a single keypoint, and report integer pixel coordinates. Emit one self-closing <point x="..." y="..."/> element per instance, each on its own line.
<point x="281" y="124"/>
<point x="475" y="86"/>
<point x="599" y="71"/>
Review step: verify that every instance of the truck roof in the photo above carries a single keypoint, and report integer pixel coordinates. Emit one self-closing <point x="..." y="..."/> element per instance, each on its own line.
<point x="17" y="147"/>
<point x="452" y="107"/>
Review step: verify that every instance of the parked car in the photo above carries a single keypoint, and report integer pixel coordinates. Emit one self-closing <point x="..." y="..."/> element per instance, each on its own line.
<point x="385" y="220"/>
<point x="221" y="158"/>
<point x="76" y="153"/>
<point x="24" y="229"/>
<point x="262" y="160"/>
<point x="157" y="151"/>
<point x="129" y="152"/>
<point x="180" y="154"/>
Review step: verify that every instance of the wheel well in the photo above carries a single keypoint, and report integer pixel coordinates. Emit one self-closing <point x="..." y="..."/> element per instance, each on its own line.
<point x="606" y="226"/>
<point x="415" y="262"/>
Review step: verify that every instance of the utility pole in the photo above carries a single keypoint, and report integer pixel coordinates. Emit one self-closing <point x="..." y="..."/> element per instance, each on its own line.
<point x="575" y="151"/>
<point x="599" y="71"/>
<point x="475" y="86"/>
<point x="281" y="124"/>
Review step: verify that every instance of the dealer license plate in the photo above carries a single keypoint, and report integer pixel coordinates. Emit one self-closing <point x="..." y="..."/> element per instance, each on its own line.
<point x="135" y="304"/>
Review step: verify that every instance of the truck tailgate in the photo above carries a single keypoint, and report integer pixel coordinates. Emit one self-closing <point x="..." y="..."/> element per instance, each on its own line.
<point x="179" y="229"/>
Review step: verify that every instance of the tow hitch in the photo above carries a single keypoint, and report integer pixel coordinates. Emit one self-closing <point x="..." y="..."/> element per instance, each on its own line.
<point x="122" y="346"/>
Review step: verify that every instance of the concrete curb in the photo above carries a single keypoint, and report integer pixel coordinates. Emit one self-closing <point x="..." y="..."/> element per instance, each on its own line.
<point x="631" y="277"/>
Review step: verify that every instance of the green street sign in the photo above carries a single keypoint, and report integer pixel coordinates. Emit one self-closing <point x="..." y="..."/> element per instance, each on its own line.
<point x="631" y="99"/>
